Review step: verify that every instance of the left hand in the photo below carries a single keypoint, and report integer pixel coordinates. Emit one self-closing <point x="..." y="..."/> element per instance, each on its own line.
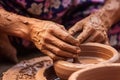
<point x="53" y="40"/>
<point x="92" y="29"/>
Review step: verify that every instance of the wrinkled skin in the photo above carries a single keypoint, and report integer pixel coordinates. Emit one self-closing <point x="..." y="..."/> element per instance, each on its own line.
<point x="53" y="40"/>
<point x="90" y="29"/>
<point x="49" y="37"/>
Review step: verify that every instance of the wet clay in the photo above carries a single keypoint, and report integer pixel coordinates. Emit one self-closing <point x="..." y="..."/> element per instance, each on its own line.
<point x="90" y="60"/>
<point x="26" y="70"/>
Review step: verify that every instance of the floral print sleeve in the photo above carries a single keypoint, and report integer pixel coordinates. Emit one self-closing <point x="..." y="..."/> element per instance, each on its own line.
<point x="65" y="12"/>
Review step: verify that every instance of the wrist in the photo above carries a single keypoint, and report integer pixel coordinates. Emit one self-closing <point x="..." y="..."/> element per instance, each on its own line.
<point x="102" y="19"/>
<point x="13" y="24"/>
<point x="109" y="13"/>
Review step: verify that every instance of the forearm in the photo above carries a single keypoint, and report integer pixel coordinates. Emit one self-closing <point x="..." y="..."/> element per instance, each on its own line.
<point x="112" y="9"/>
<point x="15" y="25"/>
<point x="109" y="13"/>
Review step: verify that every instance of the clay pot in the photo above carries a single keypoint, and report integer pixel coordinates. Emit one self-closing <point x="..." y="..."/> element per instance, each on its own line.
<point x="98" y="72"/>
<point x="91" y="54"/>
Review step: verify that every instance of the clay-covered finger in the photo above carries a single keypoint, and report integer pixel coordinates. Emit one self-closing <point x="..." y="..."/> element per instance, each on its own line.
<point x="100" y="38"/>
<point x="62" y="45"/>
<point x="75" y="29"/>
<point x="52" y="55"/>
<point x="95" y="37"/>
<point x="62" y="27"/>
<point x="106" y="40"/>
<point x="58" y="51"/>
<point x="65" y="36"/>
<point x="85" y="34"/>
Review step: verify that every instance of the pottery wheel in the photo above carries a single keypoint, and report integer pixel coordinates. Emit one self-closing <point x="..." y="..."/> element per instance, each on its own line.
<point x="27" y="69"/>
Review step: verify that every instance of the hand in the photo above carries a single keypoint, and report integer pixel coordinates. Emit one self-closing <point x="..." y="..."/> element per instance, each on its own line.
<point x="91" y="29"/>
<point x="53" y="40"/>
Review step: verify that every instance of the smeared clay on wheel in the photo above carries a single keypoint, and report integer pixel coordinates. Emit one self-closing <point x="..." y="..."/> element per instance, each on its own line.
<point x="27" y="69"/>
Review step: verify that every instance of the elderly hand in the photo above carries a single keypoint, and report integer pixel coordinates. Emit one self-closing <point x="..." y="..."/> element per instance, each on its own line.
<point x="53" y="40"/>
<point x="91" y="29"/>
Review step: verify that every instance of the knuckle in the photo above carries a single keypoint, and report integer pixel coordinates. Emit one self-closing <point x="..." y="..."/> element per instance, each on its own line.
<point x="50" y="29"/>
<point x="91" y="28"/>
<point x="57" y="51"/>
<point x="62" y="45"/>
<point x="66" y="37"/>
<point x="45" y="38"/>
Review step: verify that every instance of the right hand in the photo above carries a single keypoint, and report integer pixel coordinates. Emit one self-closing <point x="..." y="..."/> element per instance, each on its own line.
<point x="52" y="39"/>
<point x="92" y="29"/>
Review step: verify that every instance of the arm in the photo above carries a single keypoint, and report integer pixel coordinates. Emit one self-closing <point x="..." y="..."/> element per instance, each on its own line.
<point x="51" y="38"/>
<point x="13" y="24"/>
<point x="110" y="12"/>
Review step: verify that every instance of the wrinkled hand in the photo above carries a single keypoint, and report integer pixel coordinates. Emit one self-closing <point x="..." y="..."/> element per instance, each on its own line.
<point x="53" y="40"/>
<point x="90" y="29"/>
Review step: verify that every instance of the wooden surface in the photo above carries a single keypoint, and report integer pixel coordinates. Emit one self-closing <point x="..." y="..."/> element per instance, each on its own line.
<point x="5" y="65"/>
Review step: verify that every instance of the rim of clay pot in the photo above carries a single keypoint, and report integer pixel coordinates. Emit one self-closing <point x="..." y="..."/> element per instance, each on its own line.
<point x="114" y="58"/>
<point x="107" y="67"/>
<point x="65" y="65"/>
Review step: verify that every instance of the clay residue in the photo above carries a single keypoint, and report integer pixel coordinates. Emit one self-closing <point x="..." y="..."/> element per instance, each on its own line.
<point x="28" y="73"/>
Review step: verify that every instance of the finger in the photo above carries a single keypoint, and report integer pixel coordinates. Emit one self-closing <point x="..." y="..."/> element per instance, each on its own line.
<point x="65" y="36"/>
<point x="76" y="28"/>
<point x="51" y="55"/>
<point x="85" y="34"/>
<point x="106" y="40"/>
<point x="100" y="38"/>
<point x="61" y="44"/>
<point x="63" y="28"/>
<point x="58" y="51"/>
<point x="95" y="37"/>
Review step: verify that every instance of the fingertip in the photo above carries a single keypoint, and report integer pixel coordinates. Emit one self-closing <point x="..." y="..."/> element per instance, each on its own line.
<point x="77" y="43"/>
<point x="107" y="43"/>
